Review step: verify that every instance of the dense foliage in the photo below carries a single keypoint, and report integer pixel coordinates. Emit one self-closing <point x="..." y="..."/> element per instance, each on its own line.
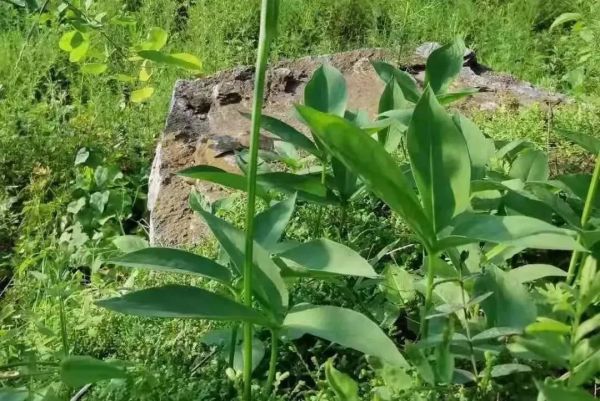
<point x="456" y="261"/>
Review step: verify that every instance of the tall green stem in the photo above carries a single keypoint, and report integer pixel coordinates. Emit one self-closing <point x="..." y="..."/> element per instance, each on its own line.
<point x="272" y="361"/>
<point x="585" y="216"/>
<point x="268" y="20"/>
<point x="428" y="294"/>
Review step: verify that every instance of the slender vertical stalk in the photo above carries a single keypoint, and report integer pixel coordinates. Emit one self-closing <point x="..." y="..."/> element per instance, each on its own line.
<point x="63" y="324"/>
<point x="272" y="361"/>
<point x="232" y="344"/>
<point x="585" y="216"/>
<point x="428" y="294"/>
<point x="268" y="19"/>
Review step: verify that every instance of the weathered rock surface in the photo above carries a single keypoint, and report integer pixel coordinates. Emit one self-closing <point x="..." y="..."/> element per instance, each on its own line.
<point x="205" y="126"/>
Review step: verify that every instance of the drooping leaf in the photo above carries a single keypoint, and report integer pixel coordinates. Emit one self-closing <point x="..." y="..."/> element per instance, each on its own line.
<point x="221" y="177"/>
<point x="587" y="327"/>
<point x="577" y="185"/>
<point x="379" y="171"/>
<point x="443" y="65"/>
<point x="344" y="387"/>
<point x="520" y="231"/>
<point x="307" y="186"/>
<point x="561" y="20"/>
<point x="93" y="68"/>
<point x="421" y="363"/>
<point x="398" y="285"/>
<point x="181" y="60"/>
<point x="339" y="325"/>
<point x="530" y="165"/>
<point x="258" y="353"/>
<point x="288" y="134"/>
<point x="549" y="346"/>
<point x="544" y="325"/>
<point x="142" y="94"/>
<point x="510" y="304"/>
<point x="81" y="370"/>
<point x="326" y="91"/>
<point x="407" y="83"/>
<point x="557" y="392"/>
<point x="157" y="39"/>
<point x="270" y="224"/>
<point x="481" y="149"/>
<point x="183" y="302"/>
<point x="509" y="369"/>
<point x="440" y="161"/>
<point x="447" y="98"/>
<point x="495" y="333"/>
<point x="268" y="285"/>
<point x="174" y="261"/>
<point x="587" y="142"/>
<point x="323" y="256"/>
<point x="529" y="273"/>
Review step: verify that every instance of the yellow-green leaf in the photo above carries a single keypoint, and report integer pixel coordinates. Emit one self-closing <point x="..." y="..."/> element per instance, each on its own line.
<point x="94" y="68"/>
<point x="141" y="95"/>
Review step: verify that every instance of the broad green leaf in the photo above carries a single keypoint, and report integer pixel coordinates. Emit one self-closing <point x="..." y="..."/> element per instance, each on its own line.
<point x="447" y="98"/>
<point x="78" y="371"/>
<point x="510" y="304"/>
<point x="557" y="204"/>
<point x="440" y="161"/>
<point x="272" y="17"/>
<point x="407" y="83"/>
<point x="587" y="327"/>
<point x="258" y="353"/>
<point x="587" y="142"/>
<point x="345" y="180"/>
<point x="495" y="333"/>
<point x="174" y="261"/>
<point x="182" y="60"/>
<point x="520" y="231"/>
<point x="529" y="273"/>
<point x="130" y="243"/>
<point x="586" y="370"/>
<point x="530" y="165"/>
<point x="550" y="346"/>
<point x="268" y="285"/>
<point x="379" y="171"/>
<point x="221" y="177"/>
<point x="339" y="325"/>
<point x="398" y="285"/>
<point x="327" y="257"/>
<point x="421" y="363"/>
<point x="157" y="39"/>
<point x="444" y="362"/>
<point x="307" y="186"/>
<point x="509" y="369"/>
<point x="344" y="387"/>
<point x="270" y="224"/>
<point x="481" y="149"/>
<point x="288" y="133"/>
<point x="13" y="394"/>
<point x="93" y="68"/>
<point x="557" y="392"/>
<point x="326" y="91"/>
<point x="578" y="185"/>
<point x="71" y="40"/>
<point x="444" y="65"/>
<point x="183" y="302"/>
<point x="392" y="98"/>
<point x="544" y="324"/>
<point x="79" y="52"/>
<point x="142" y="94"/>
<point x="561" y="20"/>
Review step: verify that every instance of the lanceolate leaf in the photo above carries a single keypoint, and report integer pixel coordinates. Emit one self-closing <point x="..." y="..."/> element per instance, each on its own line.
<point x="270" y="224"/>
<point x="407" y="83"/>
<point x="444" y="65"/>
<point x="391" y="99"/>
<point x="448" y="98"/>
<point x="182" y="60"/>
<point x="510" y="304"/>
<point x="345" y="327"/>
<point x="268" y="284"/>
<point x="440" y="161"/>
<point x="327" y="257"/>
<point x="221" y="177"/>
<point x="481" y="149"/>
<point x="288" y="133"/>
<point x="530" y="165"/>
<point x="529" y="273"/>
<point x="379" y="171"/>
<point x="174" y="261"/>
<point x="326" y="91"/>
<point x="81" y="370"/>
<point x="307" y="186"/>
<point x="587" y="142"/>
<point x="344" y="387"/>
<point x="178" y="301"/>
<point x="520" y="231"/>
<point x="558" y="392"/>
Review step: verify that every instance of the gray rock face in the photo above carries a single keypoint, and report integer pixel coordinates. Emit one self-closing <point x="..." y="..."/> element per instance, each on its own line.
<point x="204" y="125"/>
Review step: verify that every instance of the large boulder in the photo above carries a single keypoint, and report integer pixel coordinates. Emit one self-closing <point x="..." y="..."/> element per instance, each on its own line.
<point x="204" y="125"/>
